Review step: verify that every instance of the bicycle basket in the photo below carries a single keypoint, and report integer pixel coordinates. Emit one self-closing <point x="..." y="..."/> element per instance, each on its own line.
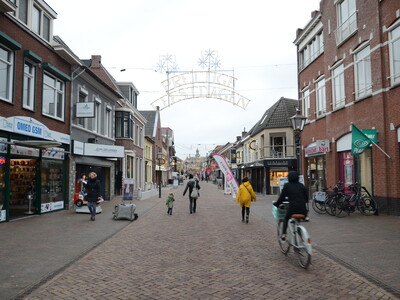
<point x="278" y="213"/>
<point x="319" y="196"/>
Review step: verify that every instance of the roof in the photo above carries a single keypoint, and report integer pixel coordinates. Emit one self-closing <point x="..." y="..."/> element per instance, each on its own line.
<point x="277" y="116"/>
<point x="151" y="117"/>
<point x="104" y="75"/>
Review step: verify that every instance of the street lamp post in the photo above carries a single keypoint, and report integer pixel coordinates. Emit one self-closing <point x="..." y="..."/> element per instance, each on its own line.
<point x="159" y="158"/>
<point x="298" y="121"/>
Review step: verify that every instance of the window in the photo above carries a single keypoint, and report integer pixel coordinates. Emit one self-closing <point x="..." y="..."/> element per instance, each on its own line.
<point x="347" y="20"/>
<point x="321" y="97"/>
<point x="338" y="86"/>
<point x="394" y="36"/>
<point x="53" y="97"/>
<point x="108" y="122"/>
<point x="123" y="124"/>
<point x="363" y="73"/>
<point x="6" y="74"/>
<point x="129" y="166"/>
<point x="36" y="20"/>
<point x="312" y="50"/>
<point x="23" y="11"/>
<point x="278" y="146"/>
<point x="46" y="28"/>
<point x="35" y="17"/>
<point x="306" y="103"/>
<point x="81" y="99"/>
<point x="97" y="120"/>
<point x="28" y="92"/>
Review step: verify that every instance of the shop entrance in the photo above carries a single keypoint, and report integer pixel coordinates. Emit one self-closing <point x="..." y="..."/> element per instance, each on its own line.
<point x="22" y="187"/>
<point x="103" y="174"/>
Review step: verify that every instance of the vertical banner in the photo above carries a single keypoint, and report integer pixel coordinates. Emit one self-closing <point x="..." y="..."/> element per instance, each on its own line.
<point x="229" y="178"/>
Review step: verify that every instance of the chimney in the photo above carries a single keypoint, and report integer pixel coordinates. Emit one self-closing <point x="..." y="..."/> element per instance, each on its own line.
<point x="238" y="138"/>
<point x="96" y="61"/>
<point x="244" y="132"/>
<point x="314" y="13"/>
<point x="157" y="108"/>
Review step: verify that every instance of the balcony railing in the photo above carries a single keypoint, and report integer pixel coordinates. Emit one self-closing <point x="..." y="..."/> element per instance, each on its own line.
<point x="346" y="29"/>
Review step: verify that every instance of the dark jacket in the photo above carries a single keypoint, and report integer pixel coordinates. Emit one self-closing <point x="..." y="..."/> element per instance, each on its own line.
<point x="190" y="186"/>
<point x="92" y="189"/>
<point x="296" y="194"/>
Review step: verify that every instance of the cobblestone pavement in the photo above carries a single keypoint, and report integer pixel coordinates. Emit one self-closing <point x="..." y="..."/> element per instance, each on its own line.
<point x="207" y="255"/>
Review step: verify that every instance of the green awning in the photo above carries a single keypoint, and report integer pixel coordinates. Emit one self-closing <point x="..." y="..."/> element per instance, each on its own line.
<point x="9" y="41"/>
<point x="56" y="72"/>
<point x="32" y="56"/>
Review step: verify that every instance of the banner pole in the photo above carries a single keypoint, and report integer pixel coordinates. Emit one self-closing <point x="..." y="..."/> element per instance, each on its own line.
<point x="381" y="149"/>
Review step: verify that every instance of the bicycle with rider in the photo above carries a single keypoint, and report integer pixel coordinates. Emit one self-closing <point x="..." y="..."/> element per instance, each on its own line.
<point x="296" y="194"/>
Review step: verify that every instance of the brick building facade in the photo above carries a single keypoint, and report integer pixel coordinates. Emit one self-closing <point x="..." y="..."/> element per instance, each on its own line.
<point x="349" y="73"/>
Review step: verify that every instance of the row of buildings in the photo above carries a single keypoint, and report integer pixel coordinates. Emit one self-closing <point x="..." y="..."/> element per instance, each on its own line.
<point x="348" y="73"/>
<point x="62" y="117"/>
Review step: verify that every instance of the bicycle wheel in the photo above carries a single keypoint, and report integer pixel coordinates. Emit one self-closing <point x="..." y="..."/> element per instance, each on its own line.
<point x="341" y="207"/>
<point x="367" y="205"/>
<point x="285" y="246"/>
<point x="330" y="206"/>
<point x="319" y="207"/>
<point x="302" y="254"/>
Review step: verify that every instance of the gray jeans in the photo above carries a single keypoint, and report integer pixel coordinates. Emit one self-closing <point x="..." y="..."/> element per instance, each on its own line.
<point x="92" y="207"/>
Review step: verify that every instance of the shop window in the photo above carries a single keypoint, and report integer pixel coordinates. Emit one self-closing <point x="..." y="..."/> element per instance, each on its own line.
<point x="22" y="186"/>
<point x="6" y="74"/>
<point x="274" y="180"/>
<point x="52" y="183"/>
<point x="2" y="190"/>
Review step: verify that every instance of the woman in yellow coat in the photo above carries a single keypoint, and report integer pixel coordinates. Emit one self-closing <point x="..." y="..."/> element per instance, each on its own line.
<point x="244" y="196"/>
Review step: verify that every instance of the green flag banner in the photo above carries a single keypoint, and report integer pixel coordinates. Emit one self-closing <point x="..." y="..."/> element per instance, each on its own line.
<point x="359" y="141"/>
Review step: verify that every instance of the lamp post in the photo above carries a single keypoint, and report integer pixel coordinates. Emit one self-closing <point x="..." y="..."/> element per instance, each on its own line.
<point x="298" y="121"/>
<point x="159" y="159"/>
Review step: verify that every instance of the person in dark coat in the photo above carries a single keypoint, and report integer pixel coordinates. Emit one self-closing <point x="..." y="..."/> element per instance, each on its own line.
<point x="296" y="193"/>
<point x="190" y="186"/>
<point x="92" y="194"/>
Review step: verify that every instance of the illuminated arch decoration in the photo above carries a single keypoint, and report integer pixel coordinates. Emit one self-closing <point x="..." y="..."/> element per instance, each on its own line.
<point x="200" y="84"/>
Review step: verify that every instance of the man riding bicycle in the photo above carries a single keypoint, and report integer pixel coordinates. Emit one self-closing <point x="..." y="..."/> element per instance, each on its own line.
<point x="296" y="193"/>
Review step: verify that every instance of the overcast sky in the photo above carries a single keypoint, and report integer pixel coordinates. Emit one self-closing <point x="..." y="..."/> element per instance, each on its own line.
<point x="254" y="38"/>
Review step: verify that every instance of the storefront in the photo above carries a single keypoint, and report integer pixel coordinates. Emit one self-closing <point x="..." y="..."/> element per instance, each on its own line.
<point x="315" y="154"/>
<point x="99" y="158"/>
<point x="274" y="170"/>
<point x="354" y="168"/>
<point x="32" y="168"/>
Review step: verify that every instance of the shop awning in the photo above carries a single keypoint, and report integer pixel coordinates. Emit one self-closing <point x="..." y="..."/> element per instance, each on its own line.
<point x="37" y="144"/>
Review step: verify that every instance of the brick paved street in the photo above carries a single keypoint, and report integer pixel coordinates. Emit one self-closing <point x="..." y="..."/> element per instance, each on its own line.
<point x="207" y="255"/>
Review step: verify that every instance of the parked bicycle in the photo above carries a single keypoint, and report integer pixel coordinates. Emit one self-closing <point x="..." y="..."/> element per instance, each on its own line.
<point x="296" y="237"/>
<point x="355" y="198"/>
<point x="325" y="201"/>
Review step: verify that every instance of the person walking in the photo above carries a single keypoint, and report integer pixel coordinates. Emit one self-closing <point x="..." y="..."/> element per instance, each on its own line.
<point x="296" y="193"/>
<point x="244" y="196"/>
<point x="190" y="186"/>
<point x="92" y="194"/>
<point x="170" y="203"/>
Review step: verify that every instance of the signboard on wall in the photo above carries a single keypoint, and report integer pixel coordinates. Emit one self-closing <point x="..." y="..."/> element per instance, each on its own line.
<point x="104" y="150"/>
<point x="85" y="110"/>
